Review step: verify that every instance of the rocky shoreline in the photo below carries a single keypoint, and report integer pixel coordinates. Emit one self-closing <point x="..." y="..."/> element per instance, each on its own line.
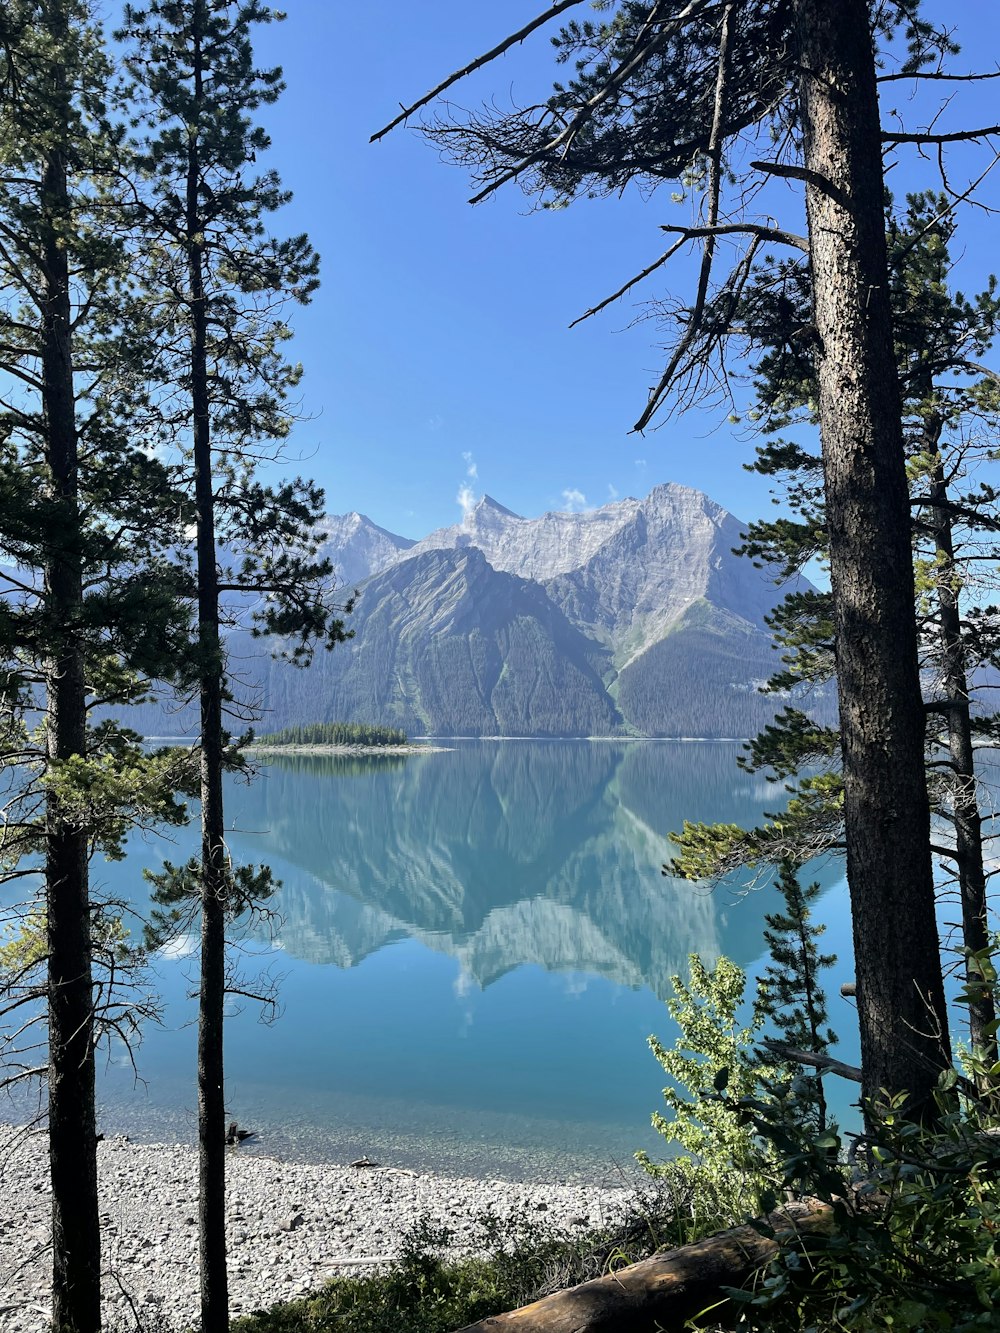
<point x="291" y="1225"/>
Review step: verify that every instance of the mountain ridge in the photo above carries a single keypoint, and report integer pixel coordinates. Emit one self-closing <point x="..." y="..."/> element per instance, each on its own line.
<point x="631" y="618"/>
<point x="635" y="618"/>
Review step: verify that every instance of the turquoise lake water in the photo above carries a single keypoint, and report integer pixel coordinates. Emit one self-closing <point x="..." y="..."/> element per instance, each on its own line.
<point x="473" y="948"/>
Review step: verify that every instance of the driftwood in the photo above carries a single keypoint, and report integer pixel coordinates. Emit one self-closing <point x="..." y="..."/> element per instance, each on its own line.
<point x="664" y="1291"/>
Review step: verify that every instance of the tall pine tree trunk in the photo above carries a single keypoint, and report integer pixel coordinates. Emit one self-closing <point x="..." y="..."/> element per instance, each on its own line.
<point x="903" y="1020"/>
<point x="966" y="818"/>
<point x="214" y="875"/>
<point x="76" y="1252"/>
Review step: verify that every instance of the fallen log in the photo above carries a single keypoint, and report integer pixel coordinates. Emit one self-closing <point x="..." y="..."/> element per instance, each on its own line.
<point x="666" y="1290"/>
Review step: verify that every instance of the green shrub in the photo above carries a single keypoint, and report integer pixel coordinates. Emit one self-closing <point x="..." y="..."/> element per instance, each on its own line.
<point x="916" y="1243"/>
<point x="723" y="1166"/>
<point x="432" y="1290"/>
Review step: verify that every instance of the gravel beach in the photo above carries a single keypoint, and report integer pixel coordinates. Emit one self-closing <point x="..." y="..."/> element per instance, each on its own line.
<point x="291" y="1225"/>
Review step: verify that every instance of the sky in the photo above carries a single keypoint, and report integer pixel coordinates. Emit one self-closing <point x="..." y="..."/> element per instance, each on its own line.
<point x="439" y="364"/>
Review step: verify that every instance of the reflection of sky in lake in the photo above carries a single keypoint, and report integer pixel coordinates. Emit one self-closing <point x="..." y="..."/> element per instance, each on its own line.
<point x="474" y="947"/>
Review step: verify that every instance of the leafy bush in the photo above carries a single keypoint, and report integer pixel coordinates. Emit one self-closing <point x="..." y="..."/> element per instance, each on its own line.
<point x="916" y="1241"/>
<point x="723" y="1167"/>
<point x="434" y="1291"/>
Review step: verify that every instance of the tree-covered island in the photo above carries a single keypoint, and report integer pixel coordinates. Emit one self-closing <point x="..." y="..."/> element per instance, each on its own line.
<point x="335" y="735"/>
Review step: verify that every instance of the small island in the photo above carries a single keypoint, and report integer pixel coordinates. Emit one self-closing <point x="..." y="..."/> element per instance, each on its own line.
<point x="340" y="738"/>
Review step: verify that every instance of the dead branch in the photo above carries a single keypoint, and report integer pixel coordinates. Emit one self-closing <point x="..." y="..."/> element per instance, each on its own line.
<point x="714" y="194"/>
<point x="756" y="229"/>
<point x="640" y="52"/>
<point x="632" y="282"/>
<point x="824" y="1063"/>
<point x="501" y="49"/>
<point x="956" y="136"/>
<point x="939" y="75"/>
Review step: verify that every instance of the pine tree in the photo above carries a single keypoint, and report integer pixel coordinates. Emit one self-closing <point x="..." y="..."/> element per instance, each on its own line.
<point x="949" y="402"/>
<point x="791" y="993"/>
<point x="219" y="282"/>
<point x="89" y="607"/>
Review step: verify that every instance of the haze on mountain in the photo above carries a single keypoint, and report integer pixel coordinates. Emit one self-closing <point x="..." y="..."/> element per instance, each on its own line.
<point x="632" y="619"/>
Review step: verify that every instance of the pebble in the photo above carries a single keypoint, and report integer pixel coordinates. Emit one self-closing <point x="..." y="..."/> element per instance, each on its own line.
<point x="291" y="1225"/>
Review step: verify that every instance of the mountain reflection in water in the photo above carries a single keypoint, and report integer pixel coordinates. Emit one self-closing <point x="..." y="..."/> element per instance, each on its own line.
<point x="459" y="934"/>
<point x="507" y="853"/>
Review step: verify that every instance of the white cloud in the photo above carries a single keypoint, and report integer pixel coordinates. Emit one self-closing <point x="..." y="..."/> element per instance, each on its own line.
<point x="574" y="500"/>
<point x="466" y="498"/>
<point x="640" y="463"/>
<point x="471" y="470"/>
<point x="612" y="492"/>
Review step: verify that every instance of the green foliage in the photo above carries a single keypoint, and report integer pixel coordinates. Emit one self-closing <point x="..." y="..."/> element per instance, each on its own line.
<point x="332" y="733"/>
<point x="429" y="1291"/>
<point x="915" y="1244"/>
<point x="119" y="786"/>
<point x="791" y="742"/>
<point x="202" y="207"/>
<point x="713" y="1050"/>
<point x="517" y="1260"/>
<point x="810" y="824"/>
<point x="23" y="945"/>
<point x="177" y="897"/>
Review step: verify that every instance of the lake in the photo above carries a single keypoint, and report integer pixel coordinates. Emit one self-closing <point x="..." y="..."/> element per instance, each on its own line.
<point x="473" y="948"/>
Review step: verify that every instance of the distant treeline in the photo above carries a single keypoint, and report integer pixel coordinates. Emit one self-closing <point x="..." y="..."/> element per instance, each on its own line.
<point x="333" y="733"/>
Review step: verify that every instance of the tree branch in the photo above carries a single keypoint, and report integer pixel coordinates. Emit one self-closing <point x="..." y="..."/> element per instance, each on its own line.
<point x="825" y="1063"/>
<point x="501" y="49"/>
<point x="938" y="75"/>
<point x="657" y="263"/>
<point x="758" y="229"/>
<point x="957" y="136"/>
<point x="640" y="52"/>
<point x="714" y="194"/>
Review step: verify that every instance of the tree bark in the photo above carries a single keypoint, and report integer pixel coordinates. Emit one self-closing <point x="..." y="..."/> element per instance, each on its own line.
<point x="901" y="1007"/>
<point x="214" y="872"/>
<point x="661" y="1294"/>
<point x="76" y="1243"/>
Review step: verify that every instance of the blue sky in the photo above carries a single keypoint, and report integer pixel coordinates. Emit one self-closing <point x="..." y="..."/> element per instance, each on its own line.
<point x="437" y="351"/>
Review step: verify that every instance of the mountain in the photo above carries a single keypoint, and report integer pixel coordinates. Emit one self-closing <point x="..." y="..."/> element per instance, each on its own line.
<point x="444" y="643"/>
<point x="358" y="547"/>
<point x="635" y="618"/>
<point x="535" y="548"/>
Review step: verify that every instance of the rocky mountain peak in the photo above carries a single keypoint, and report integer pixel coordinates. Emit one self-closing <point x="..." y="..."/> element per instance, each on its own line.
<point x="488" y="506"/>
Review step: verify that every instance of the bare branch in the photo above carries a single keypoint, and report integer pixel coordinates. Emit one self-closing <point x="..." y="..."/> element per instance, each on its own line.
<point x="956" y="136"/>
<point x="758" y="229"/>
<point x="714" y="193"/>
<point x="640" y="52"/>
<point x="824" y="1063"/>
<point x="632" y="282"/>
<point x="938" y="75"/>
<point x="501" y="49"/>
